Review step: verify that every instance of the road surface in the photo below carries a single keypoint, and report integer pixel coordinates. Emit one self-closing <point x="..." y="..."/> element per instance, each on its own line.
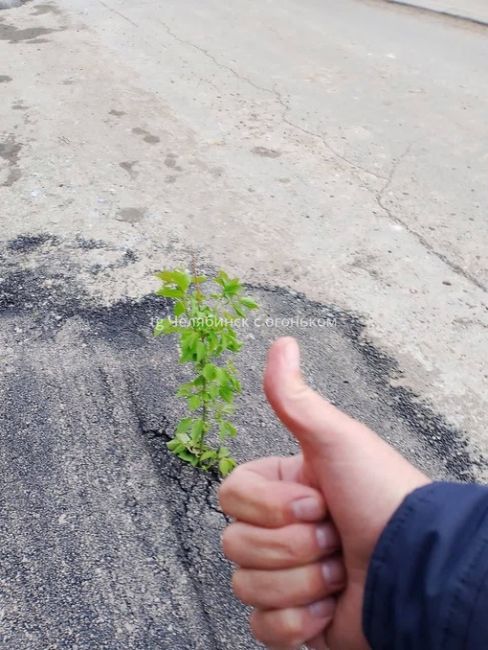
<point x="473" y="10"/>
<point x="334" y="156"/>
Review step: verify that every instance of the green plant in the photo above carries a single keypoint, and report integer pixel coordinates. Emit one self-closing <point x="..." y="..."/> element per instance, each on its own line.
<point x="205" y="311"/>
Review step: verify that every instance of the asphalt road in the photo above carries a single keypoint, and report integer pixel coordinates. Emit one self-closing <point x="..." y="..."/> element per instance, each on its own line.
<point x="106" y="541"/>
<point x="333" y="155"/>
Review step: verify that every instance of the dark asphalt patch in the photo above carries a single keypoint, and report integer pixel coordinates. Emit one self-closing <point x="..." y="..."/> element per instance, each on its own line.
<point x="107" y="541"/>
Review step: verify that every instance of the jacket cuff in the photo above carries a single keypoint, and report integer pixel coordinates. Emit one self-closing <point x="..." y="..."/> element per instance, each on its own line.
<point x="427" y="580"/>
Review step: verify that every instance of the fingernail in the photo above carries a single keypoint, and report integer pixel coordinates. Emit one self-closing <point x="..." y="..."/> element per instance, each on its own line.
<point x="333" y="572"/>
<point x="307" y="509"/>
<point x="322" y="608"/>
<point x="324" y="539"/>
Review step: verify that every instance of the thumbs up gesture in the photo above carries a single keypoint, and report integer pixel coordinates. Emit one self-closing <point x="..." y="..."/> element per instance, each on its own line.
<point x="306" y="526"/>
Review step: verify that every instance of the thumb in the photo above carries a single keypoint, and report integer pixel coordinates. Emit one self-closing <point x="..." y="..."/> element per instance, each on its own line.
<point x="362" y="477"/>
<point x="320" y="428"/>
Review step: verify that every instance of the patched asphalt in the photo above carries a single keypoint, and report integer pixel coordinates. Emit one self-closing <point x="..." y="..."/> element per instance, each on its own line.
<point x="106" y="540"/>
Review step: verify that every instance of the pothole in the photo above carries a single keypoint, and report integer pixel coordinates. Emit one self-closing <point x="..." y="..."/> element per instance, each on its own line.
<point x="109" y="541"/>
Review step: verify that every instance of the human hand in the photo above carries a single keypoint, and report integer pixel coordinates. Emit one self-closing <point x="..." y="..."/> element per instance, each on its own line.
<point x="362" y="479"/>
<point x="286" y="550"/>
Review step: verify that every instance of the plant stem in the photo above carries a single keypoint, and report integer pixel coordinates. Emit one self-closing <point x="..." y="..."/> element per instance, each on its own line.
<point x="199" y="298"/>
<point x="204" y="411"/>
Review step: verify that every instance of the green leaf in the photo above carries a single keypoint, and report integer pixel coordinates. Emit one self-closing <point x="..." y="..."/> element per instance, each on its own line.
<point x="168" y="292"/>
<point x="239" y="310"/>
<point x="197" y="430"/>
<point x="226" y="394"/>
<point x="182" y="280"/>
<point x="186" y="356"/>
<point x="184" y="438"/>
<point x="234" y="383"/>
<point x="188" y="343"/>
<point x="189" y="339"/>
<point x="212" y="342"/>
<point x="185" y="390"/>
<point x="179" y="308"/>
<point x="179" y="278"/>
<point x="227" y="430"/>
<point x="165" y="275"/>
<point x="164" y="326"/>
<point x="174" y="445"/>
<point x="184" y="425"/>
<point x="200" y="351"/>
<point x="230" y="341"/>
<point x="184" y="454"/>
<point x="232" y="288"/>
<point x="213" y="391"/>
<point x="194" y="402"/>
<point x="220" y="375"/>
<point x="208" y="455"/>
<point x="222" y="278"/>
<point x="234" y="345"/>
<point x="226" y="465"/>
<point x="209" y="371"/>
<point x="249" y="303"/>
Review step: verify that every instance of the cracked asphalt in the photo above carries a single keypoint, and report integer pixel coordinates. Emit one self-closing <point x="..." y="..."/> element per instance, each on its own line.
<point x="334" y="156"/>
<point x="106" y="540"/>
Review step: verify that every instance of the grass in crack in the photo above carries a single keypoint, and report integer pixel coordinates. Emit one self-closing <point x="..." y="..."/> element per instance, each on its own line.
<point x="205" y="312"/>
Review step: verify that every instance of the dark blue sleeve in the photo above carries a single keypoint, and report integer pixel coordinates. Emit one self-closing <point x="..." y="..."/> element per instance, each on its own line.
<point x="427" y="584"/>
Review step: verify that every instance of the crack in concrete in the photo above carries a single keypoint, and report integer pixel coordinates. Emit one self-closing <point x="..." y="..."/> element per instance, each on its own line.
<point x="118" y="13"/>
<point x="356" y="167"/>
<point x="380" y="200"/>
<point x="210" y="478"/>
<point x="185" y="531"/>
<point x="195" y="487"/>
<point x="278" y="96"/>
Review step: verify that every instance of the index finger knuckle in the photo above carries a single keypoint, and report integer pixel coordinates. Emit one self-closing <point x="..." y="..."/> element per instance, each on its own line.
<point x="230" y="491"/>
